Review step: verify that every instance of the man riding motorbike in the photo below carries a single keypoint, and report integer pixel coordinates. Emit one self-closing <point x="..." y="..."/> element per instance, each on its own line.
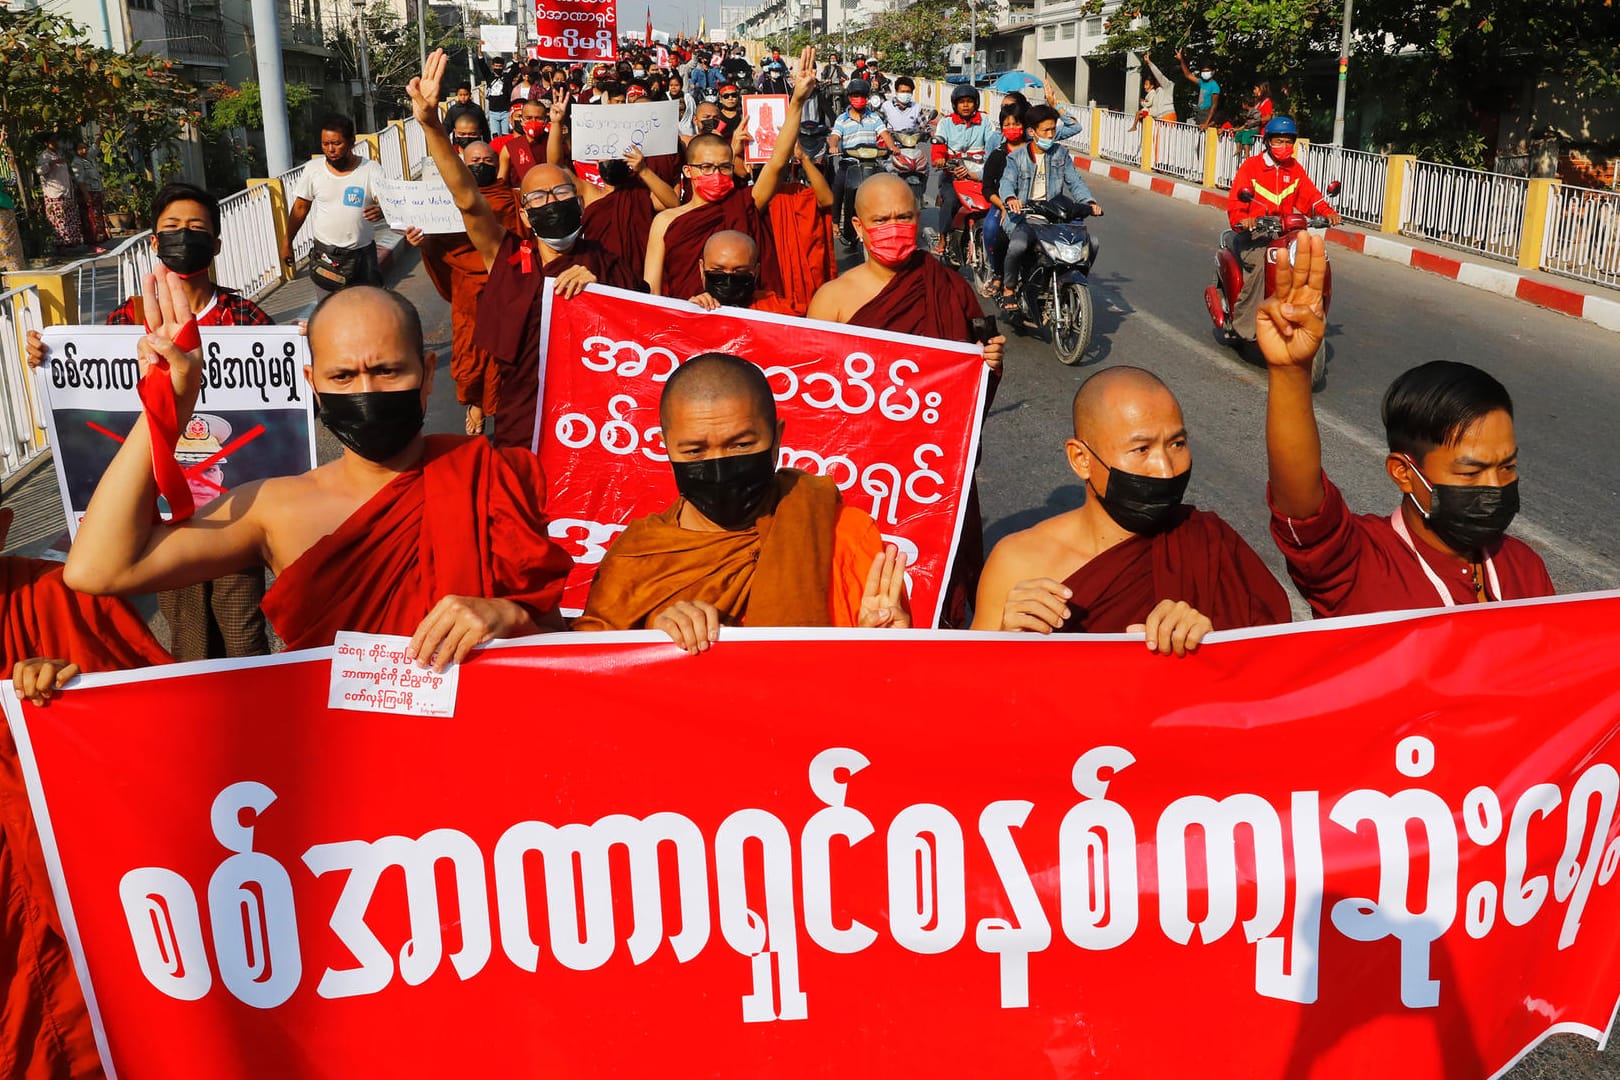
<point x="1278" y="185"/>
<point x="856" y="128"/>
<point x="901" y="109"/>
<point x="1041" y="170"/>
<point x="963" y="134"/>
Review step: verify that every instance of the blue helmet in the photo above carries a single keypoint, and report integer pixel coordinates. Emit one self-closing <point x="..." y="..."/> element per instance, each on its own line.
<point x="962" y="90"/>
<point x="1281" y="125"/>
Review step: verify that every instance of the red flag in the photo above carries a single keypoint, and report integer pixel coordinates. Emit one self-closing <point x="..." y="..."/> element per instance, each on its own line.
<point x="649" y="24"/>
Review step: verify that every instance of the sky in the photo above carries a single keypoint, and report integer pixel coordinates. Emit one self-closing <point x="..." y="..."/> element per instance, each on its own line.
<point x="668" y="15"/>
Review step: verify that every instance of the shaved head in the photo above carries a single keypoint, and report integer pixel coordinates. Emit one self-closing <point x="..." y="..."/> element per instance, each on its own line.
<point x="365" y="313"/>
<point x="1101" y="398"/>
<point x="713" y="147"/>
<point x="883" y="197"/>
<point x="545" y="178"/>
<point x="1126" y="419"/>
<point x="715" y="378"/>
<point x="730" y="250"/>
<point x="479" y="153"/>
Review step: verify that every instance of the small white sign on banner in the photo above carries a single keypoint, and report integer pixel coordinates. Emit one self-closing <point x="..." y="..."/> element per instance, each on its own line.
<point x="371" y="674"/>
<point x="426" y="204"/>
<point x="498" y="38"/>
<point x="609" y="131"/>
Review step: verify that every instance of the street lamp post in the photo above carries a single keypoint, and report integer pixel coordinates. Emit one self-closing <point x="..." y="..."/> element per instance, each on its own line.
<point x="1344" y="74"/>
<point x="973" y="44"/>
<point x="365" y="65"/>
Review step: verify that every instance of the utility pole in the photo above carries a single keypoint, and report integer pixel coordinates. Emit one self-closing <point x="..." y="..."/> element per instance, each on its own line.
<point x="365" y="64"/>
<point x="1344" y="75"/>
<point x="272" y="87"/>
<point x="973" y="43"/>
<point x="421" y="30"/>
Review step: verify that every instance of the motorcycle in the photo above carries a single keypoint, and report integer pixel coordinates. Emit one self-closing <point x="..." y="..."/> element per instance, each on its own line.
<point x="1054" y="292"/>
<point x="909" y="161"/>
<point x="964" y="237"/>
<point x="1278" y="233"/>
<point x="861" y="162"/>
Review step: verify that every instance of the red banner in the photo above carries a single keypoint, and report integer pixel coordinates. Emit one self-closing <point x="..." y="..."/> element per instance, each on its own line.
<point x="894" y="418"/>
<point x="577" y="31"/>
<point x="1337" y="851"/>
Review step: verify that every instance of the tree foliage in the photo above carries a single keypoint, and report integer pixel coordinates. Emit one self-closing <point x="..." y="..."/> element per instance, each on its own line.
<point x="392" y="53"/>
<point x="913" y="39"/>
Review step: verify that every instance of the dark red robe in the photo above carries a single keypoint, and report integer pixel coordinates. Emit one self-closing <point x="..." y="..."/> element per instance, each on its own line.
<point x="684" y="240"/>
<point x="620" y="221"/>
<point x="468" y="521"/>
<point x="1200" y="559"/>
<point x="523" y="155"/>
<point x="804" y="243"/>
<point x="509" y="324"/>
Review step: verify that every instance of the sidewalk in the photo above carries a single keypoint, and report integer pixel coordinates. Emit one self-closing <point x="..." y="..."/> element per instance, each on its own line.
<point x="1579" y="299"/>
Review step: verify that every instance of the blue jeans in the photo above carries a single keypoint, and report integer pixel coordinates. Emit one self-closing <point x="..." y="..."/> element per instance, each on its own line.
<point x="992" y="236"/>
<point x="500" y="122"/>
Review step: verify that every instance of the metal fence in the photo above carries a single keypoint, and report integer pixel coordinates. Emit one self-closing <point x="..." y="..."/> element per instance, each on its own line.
<point x="249" y="258"/>
<point x="391" y="152"/>
<point x="305" y="239"/>
<point x="22" y="421"/>
<point x="1081" y="140"/>
<point x="415" y="147"/>
<point x="1118" y="142"/>
<point x="1178" y="149"/>
<point x="1464" y="208"/>
<point x="1583" y="234"/>
<point x="1229" y="156"/>
<point x="1362" y="179"/>
<point x="103" y="282"/>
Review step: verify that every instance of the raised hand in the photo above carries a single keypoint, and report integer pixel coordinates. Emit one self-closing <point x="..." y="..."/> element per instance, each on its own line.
<point x="805" y="84"/>
<point x="559" y="110"/>
<point x="1173" y="626"/>
<point x="634" y="158"/>
<point x="173" y="338"/>
<point x="883" y="602"/>
<point x="1292" y="320"/>
<point x="424" y="89"/>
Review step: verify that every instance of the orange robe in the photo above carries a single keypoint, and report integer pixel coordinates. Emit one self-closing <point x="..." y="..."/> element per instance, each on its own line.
<point x="44" y="1024"/>
<point x="802" y="563"/>
<point x="776" y="305"/>
<point x="458" y="272"/>
<point x="804" y="243"/>
<point x="468" y="521"/>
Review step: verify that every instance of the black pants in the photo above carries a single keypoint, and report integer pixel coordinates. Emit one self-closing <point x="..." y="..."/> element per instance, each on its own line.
<point x="844" y="186"/>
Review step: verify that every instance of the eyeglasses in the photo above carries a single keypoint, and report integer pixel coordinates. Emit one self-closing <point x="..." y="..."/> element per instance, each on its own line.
<point x="542" y="196"/>
<point x="709" y="168"/>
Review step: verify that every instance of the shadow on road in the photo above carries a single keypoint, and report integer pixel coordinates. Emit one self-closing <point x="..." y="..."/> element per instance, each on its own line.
<point x="1110" y="307"/>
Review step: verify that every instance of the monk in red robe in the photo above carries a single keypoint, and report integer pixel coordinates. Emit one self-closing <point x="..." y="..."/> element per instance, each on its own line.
<point x="730" y="268"/>
<point x="442" y="539"/>
<point x="746" y="544"/>
<point x="1131" y="558"/>
<point x="527" y="146"/>
<point x="1453" y="455"/>
<point x="549" y="245"/>
<point x="801" y="221"/>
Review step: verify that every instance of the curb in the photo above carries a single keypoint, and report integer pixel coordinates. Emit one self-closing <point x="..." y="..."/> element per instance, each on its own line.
<point x="1501" y="280"/>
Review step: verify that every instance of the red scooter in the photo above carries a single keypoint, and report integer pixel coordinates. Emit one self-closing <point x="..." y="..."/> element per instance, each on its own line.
<point x="964" y="236"/>
<point x="1279" y="233"/>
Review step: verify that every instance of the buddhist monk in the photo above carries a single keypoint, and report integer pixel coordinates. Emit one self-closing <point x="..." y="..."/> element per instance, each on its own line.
<point x="906" y="291"/>
<point x="549" y="245"/>
<point x="1453" y="456"/>
<point x="439" y="538"/>
<point x="802" y="225"/>
<point x="718" y="203"/>
<point x="527" y="146"/>
<point x="746" y="544"/>
<point x="1131" y="558"/>
<point x="730" y="275"/>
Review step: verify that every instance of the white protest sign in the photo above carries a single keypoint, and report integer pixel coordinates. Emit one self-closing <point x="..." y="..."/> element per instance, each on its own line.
<point x="426" y="204"/>
<point x="766" y="114"/>
<point x="254" y="418"/>
<point x="371" y="674"/>
<point x="609" y="131"/>
<point x="498" y="39"/>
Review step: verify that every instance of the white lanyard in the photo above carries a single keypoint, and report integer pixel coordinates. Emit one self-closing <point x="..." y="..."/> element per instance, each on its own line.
<point x="1399" y="523"/>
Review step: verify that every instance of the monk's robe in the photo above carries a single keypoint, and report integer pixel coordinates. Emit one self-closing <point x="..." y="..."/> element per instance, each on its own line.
<point x="522" y="155"/>
<point x="684" y="240"/>
<point x="469" y="520"/>
<point x="457" y="270"/>
<point x="667" y="167"/>
<point x="1199" y="559"/>
<point x="620" y="222"/>
<point x="802" y="563"/>
<point x="804" y="243"/>
<point x="509" y="323"/>
<point x="44" y="1024"/>
<point x="929" y="299"/>
<point x="776" y="305"/>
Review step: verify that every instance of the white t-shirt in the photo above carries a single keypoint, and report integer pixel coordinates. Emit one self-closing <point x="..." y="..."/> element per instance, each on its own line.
<point x="338" y="202"/>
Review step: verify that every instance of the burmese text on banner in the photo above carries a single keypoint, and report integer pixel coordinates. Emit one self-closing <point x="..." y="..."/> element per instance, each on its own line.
<point x="580" y="31"/>
<point x="1329" y="852"/>
<point x="893" y="419"/>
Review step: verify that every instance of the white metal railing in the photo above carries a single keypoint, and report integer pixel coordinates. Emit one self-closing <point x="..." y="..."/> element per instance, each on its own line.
<point x="22" y="421"/>
<point x="415" y="144"/>
<point x="249" y="258"/>
<point x="103" y="282"/>
<point x="1118" y="142"/>
<point x="391" y="152"/>
<point x="1464" y="208"/>
<point x="1178" y="149"/>
<point x="1229" y="157"/>
<point x="305" y="240"/>
<point x="1362" y="179"/>
<point x="1583" y="234"/>
<point x="1081" y="140"/>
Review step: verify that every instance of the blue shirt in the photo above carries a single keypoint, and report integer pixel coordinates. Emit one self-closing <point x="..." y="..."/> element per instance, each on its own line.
<point x="854" y="132"/>
<point x="1207" y="89"/>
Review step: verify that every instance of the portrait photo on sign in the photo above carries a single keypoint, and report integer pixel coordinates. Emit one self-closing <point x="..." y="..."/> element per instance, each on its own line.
<point x="765" y="114"/>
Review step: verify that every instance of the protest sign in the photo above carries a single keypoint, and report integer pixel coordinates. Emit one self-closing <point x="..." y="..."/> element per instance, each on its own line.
<point x="425" y="204"/>
<point x="497" y="38"/>
<point x="254" y="419"/>
<point x="576" y="30"/>
<point x="610" y="131"/>
<point x="765" y="113"/>
<point x="371" y="673"/>
<point x="893" y="419"/>
<point x="1376" y="847"/>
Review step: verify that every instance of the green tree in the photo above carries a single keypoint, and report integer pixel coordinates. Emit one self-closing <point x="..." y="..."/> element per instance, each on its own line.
<point x="392" y="53"/>
<point x="236" y="108"/>
<point x="915" y="39"/>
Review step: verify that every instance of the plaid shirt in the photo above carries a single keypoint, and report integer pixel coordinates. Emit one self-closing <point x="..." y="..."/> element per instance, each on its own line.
<point x="230" y="308"/>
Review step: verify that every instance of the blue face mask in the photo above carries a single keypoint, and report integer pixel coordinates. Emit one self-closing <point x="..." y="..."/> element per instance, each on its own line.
<point x="1045" y="144"/>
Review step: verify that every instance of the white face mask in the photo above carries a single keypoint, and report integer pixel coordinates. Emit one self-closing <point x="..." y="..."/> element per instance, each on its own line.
<point x="903" y="98"/>
<point x="1206" y="74"/>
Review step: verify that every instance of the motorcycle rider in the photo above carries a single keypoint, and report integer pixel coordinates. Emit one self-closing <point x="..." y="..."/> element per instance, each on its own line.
<point x="857" y="127"/>
<point x="1041" y="170"/>
<point x="963" y="132"/>
<point x="1278" y="183"/>
<point x="995" y="166"/>
<point x="901" y="110"/>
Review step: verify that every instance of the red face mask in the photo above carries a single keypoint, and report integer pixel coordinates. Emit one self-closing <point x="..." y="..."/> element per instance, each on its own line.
<point x="714" y="187"/>
<point x="1283" y="152"/>
<point x="534" y="128"/>
<point x="857" y="103"/>
<point x="1012" y="134"/>
<point x="892" y="242"/>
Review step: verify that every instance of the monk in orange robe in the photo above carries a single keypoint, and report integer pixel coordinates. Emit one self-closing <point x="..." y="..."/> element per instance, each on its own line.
<point x="1131" y="558"/>
<point x="730" y="269"/>
<point x="443" y="538"/>
<point x="746" y="544"/>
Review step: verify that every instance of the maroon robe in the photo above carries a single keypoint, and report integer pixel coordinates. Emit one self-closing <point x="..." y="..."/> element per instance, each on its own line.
<point x="684" y="240"/>
<point x="509" y="324"/>
<point x="620" y="221"/>
<point x="523" y="155"/>
<point x="1200" y="559"/>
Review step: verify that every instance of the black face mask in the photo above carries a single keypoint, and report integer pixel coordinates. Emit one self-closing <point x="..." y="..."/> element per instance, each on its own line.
<point x="1469" y="517"/>
<point x="484" y="173"/>
<point x="376" y="424"/>
<point x="557" y="222"/>
<point x="1144" y="505"/>
<point x="464" y="140"/>
<point x="708" y="125"/>
<point x="729" y="491"/>
<point x="185" y="251"/>
<point x="731" y="289"/>
<point x="615" y="171"/>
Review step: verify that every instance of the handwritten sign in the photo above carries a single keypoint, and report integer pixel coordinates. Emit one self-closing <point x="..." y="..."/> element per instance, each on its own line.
<point x="765" y="113"/>
<point x="254" y="419"/>
<point x="425" y="204"/>
<point x="370" y="673"/>
<point x="498" y="38"/>
<point x="609" y="131"/>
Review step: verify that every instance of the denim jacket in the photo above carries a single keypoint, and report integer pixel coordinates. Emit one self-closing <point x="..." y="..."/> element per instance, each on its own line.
<point x="1062" y="178"/>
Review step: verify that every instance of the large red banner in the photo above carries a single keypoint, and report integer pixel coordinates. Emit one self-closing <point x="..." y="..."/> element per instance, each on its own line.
<point x="893" y="418"/>
<point x="1333" y="851"/>
<point x="577" y="31"/>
